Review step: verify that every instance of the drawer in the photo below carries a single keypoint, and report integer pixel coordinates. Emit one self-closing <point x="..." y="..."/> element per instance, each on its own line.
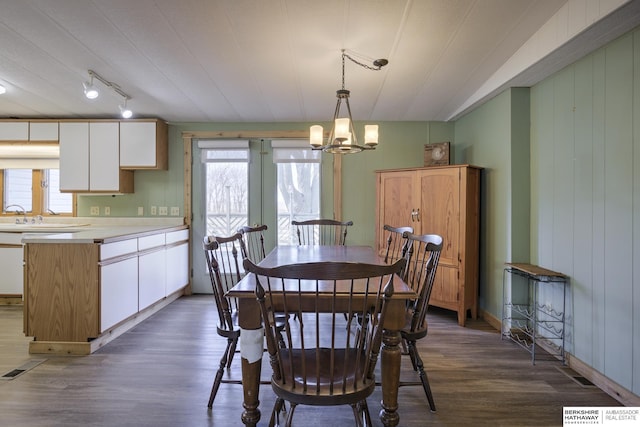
<point x="177" y="236"/>
<point x="115" y="249"/>
<point x="149" y="242"/>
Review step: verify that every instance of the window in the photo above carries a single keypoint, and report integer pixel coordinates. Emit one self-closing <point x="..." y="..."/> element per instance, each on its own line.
<point x="298" y="182"/>
<point x="37" y="191"/>
<point x="226" y="186"/>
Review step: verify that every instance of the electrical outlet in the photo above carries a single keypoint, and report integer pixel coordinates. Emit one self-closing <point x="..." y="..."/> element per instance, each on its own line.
<point x="154" y="210"/>
<point x="162" y="210"/>
<point x="95" y="210"/>
<point x="175" y="211"/>
<point x="140" y="210"/>
<point x="107" y="210"/>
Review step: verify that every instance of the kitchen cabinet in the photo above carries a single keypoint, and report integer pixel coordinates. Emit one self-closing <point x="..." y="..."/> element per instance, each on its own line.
<point x="177" y="260"/>
<point x="11" y="267"/>
<point x="82" y="292"/>
<point x="151" y="276"/>
<point x="43" y="131"/>
<point x="442" y="200"/>
<point x="144" y="144"/>
<point x="89" y="158"/>
<point x="14" y="131"/>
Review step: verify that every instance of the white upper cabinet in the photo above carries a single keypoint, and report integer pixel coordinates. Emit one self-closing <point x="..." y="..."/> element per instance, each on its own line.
<point x="14" y="131"/>
<point x="74" y="156"/>
<point x="143" y="145"/>
<point x="89" y="158"/>
<point x="43" y="131"/>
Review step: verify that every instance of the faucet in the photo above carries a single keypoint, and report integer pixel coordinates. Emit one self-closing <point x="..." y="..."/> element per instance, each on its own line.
<point x="22" y="210"/>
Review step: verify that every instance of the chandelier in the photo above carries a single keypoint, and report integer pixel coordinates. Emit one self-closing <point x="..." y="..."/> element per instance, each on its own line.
<point x="342" y="139"/>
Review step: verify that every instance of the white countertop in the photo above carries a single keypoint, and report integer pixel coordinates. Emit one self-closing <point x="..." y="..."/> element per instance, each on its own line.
<point x="83" y="229"/>
<point x="96" y="234"/>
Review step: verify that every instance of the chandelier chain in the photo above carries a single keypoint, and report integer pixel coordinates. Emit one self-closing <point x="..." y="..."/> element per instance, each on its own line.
<point x="355" y="61"/>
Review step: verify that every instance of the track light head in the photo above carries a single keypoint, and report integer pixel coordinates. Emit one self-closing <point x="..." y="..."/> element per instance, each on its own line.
<point x="90" y="91"/>
<point x="125" y="112"/>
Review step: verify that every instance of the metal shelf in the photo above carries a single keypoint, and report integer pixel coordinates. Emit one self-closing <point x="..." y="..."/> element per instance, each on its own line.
<point x="529" y="323"/>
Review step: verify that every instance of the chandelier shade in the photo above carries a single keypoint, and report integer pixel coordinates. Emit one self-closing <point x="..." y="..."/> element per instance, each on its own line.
<point x="342" y="138"/>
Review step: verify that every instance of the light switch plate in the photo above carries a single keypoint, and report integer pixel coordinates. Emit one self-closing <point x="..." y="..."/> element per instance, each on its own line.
<point x="162" y="210"/>
<point x="154" y="210"/>
<point x="95" y="210"/>
<point x="175" y="211"/>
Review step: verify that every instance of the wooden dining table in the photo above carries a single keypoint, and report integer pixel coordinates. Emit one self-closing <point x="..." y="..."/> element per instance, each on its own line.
<point x="249" y="319"/>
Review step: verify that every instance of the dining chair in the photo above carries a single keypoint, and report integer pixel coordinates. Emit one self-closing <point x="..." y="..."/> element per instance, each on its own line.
<point x="422" y="257"/>
<point x="223" y="264"/>
<point x="326" y="363"/>
<point x="321" y="231"/>
<point x="221" y="254"/>
<point x="397" y="244"/>
<point x="253" y="238"/>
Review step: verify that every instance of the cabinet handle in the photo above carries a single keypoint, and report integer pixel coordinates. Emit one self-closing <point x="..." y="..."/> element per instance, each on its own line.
<point x="418" y="215"/>
<point x="413" y="215"/>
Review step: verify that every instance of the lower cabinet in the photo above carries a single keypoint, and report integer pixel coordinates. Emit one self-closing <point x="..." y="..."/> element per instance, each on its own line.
<point x="118" y="292"/>
<point x="77" y="292"/>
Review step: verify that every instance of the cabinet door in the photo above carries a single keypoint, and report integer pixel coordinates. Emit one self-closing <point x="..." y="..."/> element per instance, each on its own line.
<point x="74" y="156"/>
<point x="141" y="145"/>
<point x="177" y="270"/>
<point x="118" y="292"/>
<point x="43" y="131"/>
<point x="395" y="202"/>
<point x="14" y="131"/>
<point x="440" y="209"/>
<point x="104" y="156"/>
<point x="151" y="279"/>
<point x="12" y="271"/>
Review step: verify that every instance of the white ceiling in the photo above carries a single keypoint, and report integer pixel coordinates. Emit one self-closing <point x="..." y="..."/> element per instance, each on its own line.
<point x="279" y="60"/>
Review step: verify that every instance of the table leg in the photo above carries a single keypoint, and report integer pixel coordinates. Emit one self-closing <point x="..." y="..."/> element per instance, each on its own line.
<point x="390" y="365"/>
<point x="251" y="413"/>
<point x="249" y="320"/>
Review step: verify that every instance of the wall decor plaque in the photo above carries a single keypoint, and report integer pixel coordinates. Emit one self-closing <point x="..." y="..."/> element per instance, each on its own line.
<point x="436" y="154"/>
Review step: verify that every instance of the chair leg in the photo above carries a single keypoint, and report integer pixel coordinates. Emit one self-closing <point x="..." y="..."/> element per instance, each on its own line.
<point x="278" y="407"/>
<point x="231" y="350"/>
<point x="289" y="421"/>
<point x="357" y="413"/>
<point x="223" y="363"/>
<point x="419" y="367"/>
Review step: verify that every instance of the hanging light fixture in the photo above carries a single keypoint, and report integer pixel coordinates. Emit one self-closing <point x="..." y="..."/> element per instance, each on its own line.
<point x="342" y="139"/>
<point x="91" y="92"/>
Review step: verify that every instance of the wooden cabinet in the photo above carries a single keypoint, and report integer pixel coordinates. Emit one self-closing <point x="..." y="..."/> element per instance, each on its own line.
<point x="438" y="200"/>
<point x="144" y="145"/>
<point x="89" y="158"/>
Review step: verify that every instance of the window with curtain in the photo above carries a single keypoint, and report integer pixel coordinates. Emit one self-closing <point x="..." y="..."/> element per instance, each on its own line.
<point x="226" y="186"/>
<point x="298" y="182"/>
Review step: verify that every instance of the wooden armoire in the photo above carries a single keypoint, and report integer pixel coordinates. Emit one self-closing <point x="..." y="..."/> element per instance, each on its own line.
<point x="442" y="200"/>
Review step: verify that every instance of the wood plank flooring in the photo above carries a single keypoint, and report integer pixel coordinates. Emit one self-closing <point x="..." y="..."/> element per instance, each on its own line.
<point x="160" y="374"/>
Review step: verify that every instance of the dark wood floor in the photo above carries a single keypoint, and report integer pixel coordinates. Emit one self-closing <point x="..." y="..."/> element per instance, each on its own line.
<point x="160" y="374"/>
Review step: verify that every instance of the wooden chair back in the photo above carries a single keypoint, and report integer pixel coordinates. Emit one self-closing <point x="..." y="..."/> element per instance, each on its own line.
<point x="253" y="238"/>
<point x="397" y="243"/>
<point x="423" y="257"/>
<point x="224" y="270"/>
<point x="321" y="231"/>
<point x="328" y="361"/>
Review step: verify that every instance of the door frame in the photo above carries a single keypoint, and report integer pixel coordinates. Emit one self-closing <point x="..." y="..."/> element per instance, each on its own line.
<point x="187" y="140"/>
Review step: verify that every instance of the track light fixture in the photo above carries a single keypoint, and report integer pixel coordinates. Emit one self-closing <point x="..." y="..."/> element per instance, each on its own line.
<point x="91" y="92"/>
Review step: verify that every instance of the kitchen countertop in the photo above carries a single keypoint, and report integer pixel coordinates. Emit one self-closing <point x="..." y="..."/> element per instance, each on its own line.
<point x="97" y="234"/>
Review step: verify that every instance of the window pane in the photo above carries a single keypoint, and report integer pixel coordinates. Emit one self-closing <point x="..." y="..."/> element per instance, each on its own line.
<point x="227" y="204"/>
<point x="298" y="197"/>
<point x="55" y="201"/>
<point x="17" y="188"/>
